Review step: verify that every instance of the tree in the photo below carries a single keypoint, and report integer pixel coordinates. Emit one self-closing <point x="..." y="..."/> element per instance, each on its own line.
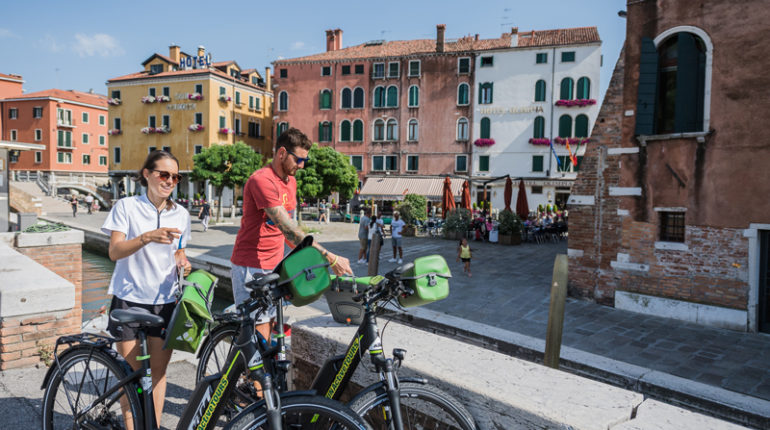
<point x="225" y="166"/>
<point x="413" y="208"/>
<point x="326" y="172"/>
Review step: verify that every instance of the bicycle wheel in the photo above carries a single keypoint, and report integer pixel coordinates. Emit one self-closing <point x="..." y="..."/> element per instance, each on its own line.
<point x="78" y="382"/>
<point x="302" y="412"/>
<point x="422" y="407"/>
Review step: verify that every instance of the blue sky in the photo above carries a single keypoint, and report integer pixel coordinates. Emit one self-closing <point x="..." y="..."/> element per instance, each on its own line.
<point x="80" y="44"/>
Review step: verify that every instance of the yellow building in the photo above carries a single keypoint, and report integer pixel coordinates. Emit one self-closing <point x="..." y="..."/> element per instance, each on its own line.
<point x="184" y="103"/>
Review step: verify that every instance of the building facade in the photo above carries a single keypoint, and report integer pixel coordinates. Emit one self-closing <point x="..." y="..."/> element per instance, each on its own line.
<point x="183" y="104"/>
<point x="532" y="96"/>
<point x="667" y="214"/>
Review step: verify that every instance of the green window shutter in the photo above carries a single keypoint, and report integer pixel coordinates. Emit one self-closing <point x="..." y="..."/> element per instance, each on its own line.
<point x="392" y="96"/>
<point x="320" y="132"/>
<point x="330" y="132"/>
<point x="539" y="128"/>
<point x="485" y="128"/>
<point x="481" y="89"/>
<point x="491" y="92"/>
<point x="345" y="131"/>
<point x="358" y="130"/>
<point x="60" y="138"/>
<point x="565" y="126"/>
<point x="688" y="108"/>
<point x="540" y="91"/>
<point x="251" y="102"/>
<point x="648" y="88"/>
<point x="237" y="98"/>
<point x="583" y="88"/>
<point x="537" y="163"/>
<point x="581" y="126"/>
<point x="68" y="136"/>
<point x="566" y="89"/>
<point x="221" y="91"/>
<point x="221" y="122"/>
<point x="579" y="162"/>
<point x="484" y="163"/>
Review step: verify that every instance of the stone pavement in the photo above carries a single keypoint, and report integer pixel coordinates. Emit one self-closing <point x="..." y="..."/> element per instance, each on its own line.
<point x="508" y="297"/>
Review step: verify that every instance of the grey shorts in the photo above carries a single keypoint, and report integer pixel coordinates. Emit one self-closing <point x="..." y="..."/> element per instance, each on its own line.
<point x="240" y="275"/>
<point x="363" y="241"/>
<point x="396" y="242"/>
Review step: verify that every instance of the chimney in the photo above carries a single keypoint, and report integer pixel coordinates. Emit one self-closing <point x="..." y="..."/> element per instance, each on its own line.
<point x="514" y="36"/>
<point x="268" y="79"/>
<point x="201" y="51"/>
<point x="477" y="37"/>
<point x="337" y="39"/>
<point x="440" y="28"/>
<point x="173" y="53"/>
<point x="330" y="44"/>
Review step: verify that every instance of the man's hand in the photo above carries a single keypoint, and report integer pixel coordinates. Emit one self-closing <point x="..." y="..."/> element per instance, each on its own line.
<point x="342" y="267"/>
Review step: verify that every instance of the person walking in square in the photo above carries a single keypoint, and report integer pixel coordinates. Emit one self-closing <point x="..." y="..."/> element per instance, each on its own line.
<point x="363" y="236"/>
<point x="395" y="231"/>
<point x="322" y="212"/>
<point x="74" y="203"/>
<point x="205" y="214"/>
<point x="464" y="254"/>
<point x="89" y="203"/>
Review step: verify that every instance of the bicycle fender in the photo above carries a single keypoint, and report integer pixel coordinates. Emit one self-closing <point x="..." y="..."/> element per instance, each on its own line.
<point x="381" y="385"/>
<point x="285" y="395"/>
<point x="71" y="350"/>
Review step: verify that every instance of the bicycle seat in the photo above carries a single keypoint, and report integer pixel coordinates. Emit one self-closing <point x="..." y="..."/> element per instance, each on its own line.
<point x="262" y="281"/>
<point x="139" y="316"/>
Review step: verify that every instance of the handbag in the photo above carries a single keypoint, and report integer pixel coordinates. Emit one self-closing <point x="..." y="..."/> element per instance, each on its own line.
<point x="192" y="312"/>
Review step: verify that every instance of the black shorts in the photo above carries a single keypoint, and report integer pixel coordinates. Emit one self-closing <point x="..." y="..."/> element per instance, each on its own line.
<point x="123" y="332"/>
<point x="466" y="260"/>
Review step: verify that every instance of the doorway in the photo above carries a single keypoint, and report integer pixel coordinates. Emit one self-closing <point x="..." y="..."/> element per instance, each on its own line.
<point x="764" y="281"/>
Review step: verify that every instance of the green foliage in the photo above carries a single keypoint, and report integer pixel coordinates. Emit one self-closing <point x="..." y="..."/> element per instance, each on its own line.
<point x="413" y="208"/>
<point x="326" y="172"/>
<point x="509" y="223"/>
<point x="540" y="208"/>
<point x="457" y="220"/>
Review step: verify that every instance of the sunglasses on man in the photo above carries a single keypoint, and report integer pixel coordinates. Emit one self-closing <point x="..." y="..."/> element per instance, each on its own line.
<point x="300" y="160"/>
<point x="163" y="175"/>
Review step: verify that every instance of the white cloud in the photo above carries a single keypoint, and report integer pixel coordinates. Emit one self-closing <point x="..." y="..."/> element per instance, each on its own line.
<point x="297" y="45"/>
<point x="8" y="34"/>
<point x="99" y="44"/>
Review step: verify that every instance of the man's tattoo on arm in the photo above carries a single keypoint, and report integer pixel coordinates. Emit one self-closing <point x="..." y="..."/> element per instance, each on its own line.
<point x="284" y="223"/>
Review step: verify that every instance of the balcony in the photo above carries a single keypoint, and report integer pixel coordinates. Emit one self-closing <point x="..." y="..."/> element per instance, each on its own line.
<point x="65" y="124"/>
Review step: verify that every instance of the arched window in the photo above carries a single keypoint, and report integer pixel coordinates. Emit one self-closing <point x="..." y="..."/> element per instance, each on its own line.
<point x="324" y="131"/>
<point x="583" y="88"/>
<point x="392" y="129"/>
<point x="565" y="126"/>
<point x="283" y="101"/>
<point x="462" y="94"/>
<point x="392" y="96"/>
<point x="581" y="126"/>
<point x="379" y="129"/>
<point x="358" y="98"/>
<point x="413" y="130"/>
<point x="345" y="131"/>
<point x="567" y="85"/>
<point x="325" y="99"/>
<point x="379" y="97"/>
<point x="540" y="91"/>
<point x="282" y="126"/>
<point x="414" y="96"/>
<point x="462" y="129"/>
<point x="539" y="131"/>
<point x="358" y="131"/>
<point x="346" y="98"/>
<point x="485" y="128"/>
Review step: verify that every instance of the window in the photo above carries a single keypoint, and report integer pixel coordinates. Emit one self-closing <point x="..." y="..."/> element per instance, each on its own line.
<point x="251" y="102"/>
<point x="540" y="91"/>
<point x="358" y="130"/>
<point x="238" y="98"/>
<point x="167" y="149"/>
<point x="86" y="159"/>
<point x="257" y="103"/>
<point x="345" y="131"/>
<point x="325" y="131"/>
<point x="537" y="163"/>
<point x="462" y="94"/>
<point x="199" y="118"/>
<point x="359" y="69"/>
<point x="167" y="91"/>
<point x="564" y="163"/>
<point x="566" y="89"/>
<point x="483" y="163"/>
<point x="413" y="130"/>
<point x="116" y="94"/>
<point x="672" y="226"/>
<point x="166" y="121"/>
<point x="541" y="58"/>
<point x="102" y="120"/>
<point x="581" y="126"/>
<point x="199" y="88"/>
<point x="283" y="101"/>
<point x="222" y="91"/>
<point x="583" y="88"/>
<point x="537" y="189"/>
<point x="37" y="112"/>
<point x="462" y="129"/>
<point x="568" y="57"/>
<point x="150" y="149"/>
<point x="326" y="71"/>
<point x="222" y="122"/>
<point x="254" y="129"/>
<point x="392" y="100"/>
<point x="102" y="160"/>
<point x="102" y="140"/>
<point x="487" y="61"/>
<point x="282" y="126"/>
<point x="414" y="68"/>
<point x="325" y="99"/>
<point x="463" y="66"/>
<point x="64" y="157"/>
<point x="485" y="93"/>
<point x="392" y="129"/>
<point x="345" y="70"/>
<point x="385" y="162"/>
<point x="345" y="99"/>
<point x="378" y="163"/>
<point x="38" y="157"/>
<point x="14" y="135"/>
<point x="156" y="68"/>
<point x="414" y="96"/>
<point x="485" y="129"/>
<point x="412" y="163"/>
<point x="357" y="161"/>
<point x="38" y="134"/>
<point x="85" y="117"/>
<point x="539" y="129"/>
<point x="565" y="126"/>
<point x="237" y="126"/>
<point x="151" y="121"/>
<point x="378" y="71"/>
<point x="116" y="123"/>
<point x="64" y="139"/>
<point x="13" y="113"/>
<point x="64" y="116"/>
<point x="379" y="97"/>
<point x="116" y="154"/>
<point x="198" y="149"/>
<point x="379" y="130"/>
<point x="283" y="73"/>
<point x="393" y="70"/>
<point x="358" y="98"/>
<point x="84" y="138"/>
<point x="461" y="163"/>
<point x="151" y="91"/>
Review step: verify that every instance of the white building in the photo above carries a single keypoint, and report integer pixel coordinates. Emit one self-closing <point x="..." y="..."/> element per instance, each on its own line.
<point x="518" y="107"/>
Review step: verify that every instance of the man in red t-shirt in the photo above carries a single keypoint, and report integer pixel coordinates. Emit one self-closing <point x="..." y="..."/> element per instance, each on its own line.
<point x="269" y="202"/>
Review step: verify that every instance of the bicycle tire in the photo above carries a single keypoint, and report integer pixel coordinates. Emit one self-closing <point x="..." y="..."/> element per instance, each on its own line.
<point x="77" y="376"/>
<point x="422" y="407"/>
<point x="301" y="412"/>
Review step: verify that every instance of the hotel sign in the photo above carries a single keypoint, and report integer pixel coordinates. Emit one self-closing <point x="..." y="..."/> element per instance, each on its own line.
<point x="510" y="110"/>
<point x="203" y="62"/>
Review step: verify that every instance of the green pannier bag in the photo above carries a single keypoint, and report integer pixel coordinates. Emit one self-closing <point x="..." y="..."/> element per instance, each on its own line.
<point x="192" y="312"/>
<point x="304" y="275"/>
<point x="429" y="278"/>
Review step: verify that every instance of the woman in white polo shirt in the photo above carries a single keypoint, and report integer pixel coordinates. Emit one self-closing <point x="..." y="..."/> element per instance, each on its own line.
<point x="148" y="235"/>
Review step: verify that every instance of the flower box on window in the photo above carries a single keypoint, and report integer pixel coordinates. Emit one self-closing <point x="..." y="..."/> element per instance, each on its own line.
<point x="195" y="127"/>
<point x="114" y="132"/>
<point x="114" y="102"/>
<point x="195" y="96"/>
<point x="225" y="99"/>
<point x="225" y="131"/>
<point x="540" y="141"/>
<point x="484" y="142"/>
<point x="148" y="99"/>
<point x="577" y="102"/>
<point x="572" y="140"/>
<point x="162" y="130"/>
<point x="148" y="130"/>
<point x="162" y="99"/>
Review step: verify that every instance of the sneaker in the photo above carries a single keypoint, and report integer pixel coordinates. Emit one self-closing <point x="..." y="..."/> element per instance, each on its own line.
<point x="391" y="260"/>
<point x="400" y="261"/>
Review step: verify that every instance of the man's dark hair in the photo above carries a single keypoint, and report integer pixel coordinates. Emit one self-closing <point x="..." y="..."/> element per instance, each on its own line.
<point x="291" y="139"/>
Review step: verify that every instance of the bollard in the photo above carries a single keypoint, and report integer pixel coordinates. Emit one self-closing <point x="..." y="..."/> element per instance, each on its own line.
<point x="556" y="312"/>
<point x="374" y="256"/>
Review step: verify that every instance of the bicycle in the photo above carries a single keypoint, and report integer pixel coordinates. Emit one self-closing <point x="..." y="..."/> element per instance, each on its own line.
<point x="90" y="386"/>
<point x="408" y="403"/>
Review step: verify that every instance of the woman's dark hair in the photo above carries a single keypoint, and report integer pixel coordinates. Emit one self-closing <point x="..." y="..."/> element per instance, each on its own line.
<point x="373" y="220"/>
<point x="150" y="162"/>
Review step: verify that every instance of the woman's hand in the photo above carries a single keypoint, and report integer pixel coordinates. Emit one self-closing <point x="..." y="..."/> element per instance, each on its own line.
<point x="164" y="235"/>
<point x="182" y="262"/>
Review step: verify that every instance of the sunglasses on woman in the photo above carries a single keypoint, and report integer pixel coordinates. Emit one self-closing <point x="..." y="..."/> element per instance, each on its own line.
<point x="163" y="175"/>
